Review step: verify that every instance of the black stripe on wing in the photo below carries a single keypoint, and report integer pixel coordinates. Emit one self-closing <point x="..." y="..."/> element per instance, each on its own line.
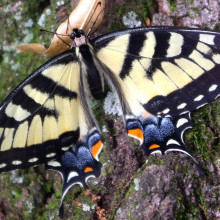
<point x="32" y="125"/>
<point x="20" y="158"/>
<point x="134" y="49"/>
<point x="46" y="85"/>
<point x="182" y="89"/>
<point x="64" y="58"/>
<point x="195" y="94"/>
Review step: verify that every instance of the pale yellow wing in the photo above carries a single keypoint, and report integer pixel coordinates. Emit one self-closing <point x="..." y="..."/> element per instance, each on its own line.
<point x="165" y="70"/>
<point x="40" y="118"/>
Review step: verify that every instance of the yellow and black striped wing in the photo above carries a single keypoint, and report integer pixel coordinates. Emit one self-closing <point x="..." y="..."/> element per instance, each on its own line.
<point x="39" y="119"/>
<point x="167" y="69"/>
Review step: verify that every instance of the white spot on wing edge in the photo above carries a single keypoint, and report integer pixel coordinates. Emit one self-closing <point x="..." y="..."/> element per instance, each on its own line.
<point x="2" y="165"/>
<point x="172" y="141"/>
<point x="88" y="177"/>
<point x="217" y="96"/>
<point x="207" y="38"/>
<point x="32" y="160"/>
<point x="189" y="126"/>
<point x="71" y="175"/>
<point x="54" y="164"/>
<point x="213" y="88"/>
<point x="181" y="121"/>
<point x="165" y="111"/>
<point x="16" y="162"/>
<point x="65" y="148"/>
<point x="157" y="152"/>
<point x="198" y="98"/>
<point x="181" y="106"/>
<point x="50" y="155"/>
<point x="201" y="105"/>
<point x="183" y="112"/>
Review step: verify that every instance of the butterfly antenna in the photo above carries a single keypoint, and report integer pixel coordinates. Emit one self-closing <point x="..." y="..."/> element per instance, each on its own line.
<point x="90" y="29"/>
<point x="51" y="32"/>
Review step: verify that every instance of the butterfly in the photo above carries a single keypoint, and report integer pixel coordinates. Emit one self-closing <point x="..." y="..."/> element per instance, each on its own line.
<point x="158" y="75"/>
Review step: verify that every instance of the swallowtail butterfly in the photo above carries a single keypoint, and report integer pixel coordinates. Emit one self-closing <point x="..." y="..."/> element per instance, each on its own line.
<point x="158" y="74"/>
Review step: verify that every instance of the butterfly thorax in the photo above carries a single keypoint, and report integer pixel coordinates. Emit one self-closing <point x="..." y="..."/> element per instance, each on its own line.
<point x="88" y="66"/>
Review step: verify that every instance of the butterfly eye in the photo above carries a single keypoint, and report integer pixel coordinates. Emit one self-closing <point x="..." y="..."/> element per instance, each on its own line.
<point x="72" y="36"/>
<point x="81" y="32"/>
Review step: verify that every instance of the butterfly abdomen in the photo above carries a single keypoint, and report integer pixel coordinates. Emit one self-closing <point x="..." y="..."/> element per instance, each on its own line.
<point x="92" y="74"/>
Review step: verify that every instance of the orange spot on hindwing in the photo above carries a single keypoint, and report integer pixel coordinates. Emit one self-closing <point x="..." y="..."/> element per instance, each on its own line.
<point x="136" y="133"/>
<point x="96" y="149"/>
<point x="153" y="146"/>
<point x="88" y="169"/>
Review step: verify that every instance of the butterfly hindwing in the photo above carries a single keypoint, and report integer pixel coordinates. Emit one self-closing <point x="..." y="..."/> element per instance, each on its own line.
<point x="169" y="70"/>
<point x="161" y="134"/>
<point x="40" y="117"/>
<point x="78" y="164"/>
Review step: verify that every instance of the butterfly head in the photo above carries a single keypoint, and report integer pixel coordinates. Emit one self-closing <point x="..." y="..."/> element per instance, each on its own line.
<point x="76" y="33"/>
<point x="78" y="38"/>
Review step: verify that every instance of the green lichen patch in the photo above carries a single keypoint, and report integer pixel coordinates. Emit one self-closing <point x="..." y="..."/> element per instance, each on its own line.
<point x="142" y="9"/>
<point x="172" y="5"/>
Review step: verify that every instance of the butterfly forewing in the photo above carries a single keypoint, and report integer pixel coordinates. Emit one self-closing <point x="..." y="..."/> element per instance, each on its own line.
<point x="40" y="117"/>
<point x="169" y="70"/>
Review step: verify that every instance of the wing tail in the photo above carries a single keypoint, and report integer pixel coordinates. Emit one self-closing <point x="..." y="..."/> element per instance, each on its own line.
<point x="161" y="135"/>
<point x="78" y="164"/>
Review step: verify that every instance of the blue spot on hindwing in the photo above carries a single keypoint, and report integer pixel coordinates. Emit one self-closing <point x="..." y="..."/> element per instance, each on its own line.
<point x="152" y="134"/>
<point x="157" y="129"/>
<point x="93" y="139"/>
<point x="133" y="123"/>
<point x="84" y="156"/>
<point x="78" y="157"/>
<point x="151" y="120"/>
<point x="166" y="127"/>
<point x="69" y="160"/>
